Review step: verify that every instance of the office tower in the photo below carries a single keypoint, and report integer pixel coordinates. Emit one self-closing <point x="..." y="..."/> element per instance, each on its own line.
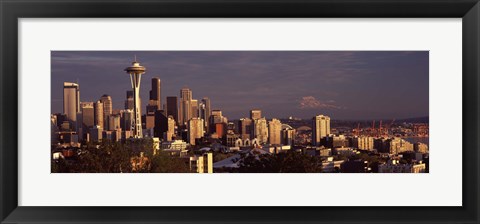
<point x="170" y="129"/>
<point x="320" y="128"/>
<point x="245" y="128"/>
<point x="150" y="116"/>
<point x="219" y="129"/>
<point x="206" y="111"/>
<point x="136" y="71"/>
<point x="195" y="130"/>
<point x="155" y="96"/>
<point x="161" y="124"/>
<point x="260" y="130"/>
<point x="98" y="114"/>
<point x="217" y="122"/>
<point x="129" y="101"/>
<point x="275" y="132"/>
<point x="217" y="117"/>
<point x="114" y="121"/>
<point x="126" y="121"/>
<point x="71" y="101"/>
<point x="202" y="114"/>
<point x="172" y="107"/>
<point x="53" y="129"/>
<point x="88" y="114"/>
<point x="217" y="113"/>
<point x="96" y="133"/>
<point x="107" y="105"/>
<point x="185" y="105"/>
<point x="194" y="105"/>
<point x="255" y="114"/>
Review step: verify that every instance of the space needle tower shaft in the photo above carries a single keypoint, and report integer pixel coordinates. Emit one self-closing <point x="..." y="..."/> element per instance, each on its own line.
<point x="136" y="71"/>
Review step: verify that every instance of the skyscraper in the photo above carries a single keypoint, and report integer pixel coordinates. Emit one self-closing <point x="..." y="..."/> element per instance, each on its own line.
<point x="129" y="101"/>
<point x="161" y="124"/>
<point x="170" y="129"/>
<point x="71" y="101"/>
<point x="114" y="122"/>
<point x="288" y="135"/>
<point x="261" y="130"/>
<point x="150" y="116"/>
<point x="185" y="105"/>
<point x="206" y="111"/>
<point x="126" y="119"/>
<point x="194" y="105"/>
<point x="98" y="115"/>
<point x="255" y="114"/>
<point x="136" y="71"/>
<point x="172" y="107"/>
<point x="275" y="132"/>
<point x="320" y="128"/>
<point x="107" y="108"/>
<point x="107" y="105"/>
<point x="88" y="114"/>
<point x="245" y="128"/>
<point x="195" y="130"/>
<point x="155" y="95"/>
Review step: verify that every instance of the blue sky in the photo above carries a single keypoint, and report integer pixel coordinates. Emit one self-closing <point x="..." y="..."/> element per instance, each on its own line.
<point x="341" y="84"/>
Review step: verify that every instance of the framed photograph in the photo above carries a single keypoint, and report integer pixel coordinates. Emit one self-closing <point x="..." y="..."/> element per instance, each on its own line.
<point x="239" y="112"/>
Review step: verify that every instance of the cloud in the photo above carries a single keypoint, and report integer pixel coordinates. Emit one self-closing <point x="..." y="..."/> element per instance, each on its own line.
<point x="310" y="102"/>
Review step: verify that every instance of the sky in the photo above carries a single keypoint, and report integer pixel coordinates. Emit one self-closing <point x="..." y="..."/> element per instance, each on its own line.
<point x="348" y="85"/>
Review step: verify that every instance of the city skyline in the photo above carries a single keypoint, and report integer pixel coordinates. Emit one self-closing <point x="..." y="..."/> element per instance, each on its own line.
<point x="237" y="81"/>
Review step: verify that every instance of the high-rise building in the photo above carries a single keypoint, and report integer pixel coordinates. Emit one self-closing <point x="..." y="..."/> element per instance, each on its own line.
<point x="136" y="71"/>
<point x="114" y="122"/>
<point x="245" y="128"/>
<point x="185" y="105"/>
<point x="161" y="124"/>
<point x="172" y="107"/>
<point x="126" y="119"/>
<point x="71" y="101"/>
<point x="206" y="111"/>
<point x="107" y="108"/>
<point x="275" y="132"/>
<point x="88" y="114"/>
<point x="96" y="133"/>
<point x="260" y="130"/>
<point x="195" y="130"/>
<point x="170" y="129"/>
<point x="320" y="128"/>
<point x="288" y="135"/>
<point x="98" y="114"/>
<point x="155" y="94"/>
<point x="150" y="116"/>
<point x="194" y="105"/>
<point x="216" y="121"/>
<point x="107" y="105"/>
<point x="255" y="114"/>
<point x="219" y="129"/>
<point x="129" y="104"/>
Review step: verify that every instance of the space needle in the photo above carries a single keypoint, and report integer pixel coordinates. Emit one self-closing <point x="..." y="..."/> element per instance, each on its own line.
<point x="136" y="71"/>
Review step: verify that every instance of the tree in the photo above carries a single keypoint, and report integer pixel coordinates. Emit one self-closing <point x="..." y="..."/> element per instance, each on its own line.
<point x="162" y="162"/>
<point x="288" y="162"/>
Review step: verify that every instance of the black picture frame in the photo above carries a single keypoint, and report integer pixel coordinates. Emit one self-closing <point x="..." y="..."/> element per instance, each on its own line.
<point x="12" y="10"/>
